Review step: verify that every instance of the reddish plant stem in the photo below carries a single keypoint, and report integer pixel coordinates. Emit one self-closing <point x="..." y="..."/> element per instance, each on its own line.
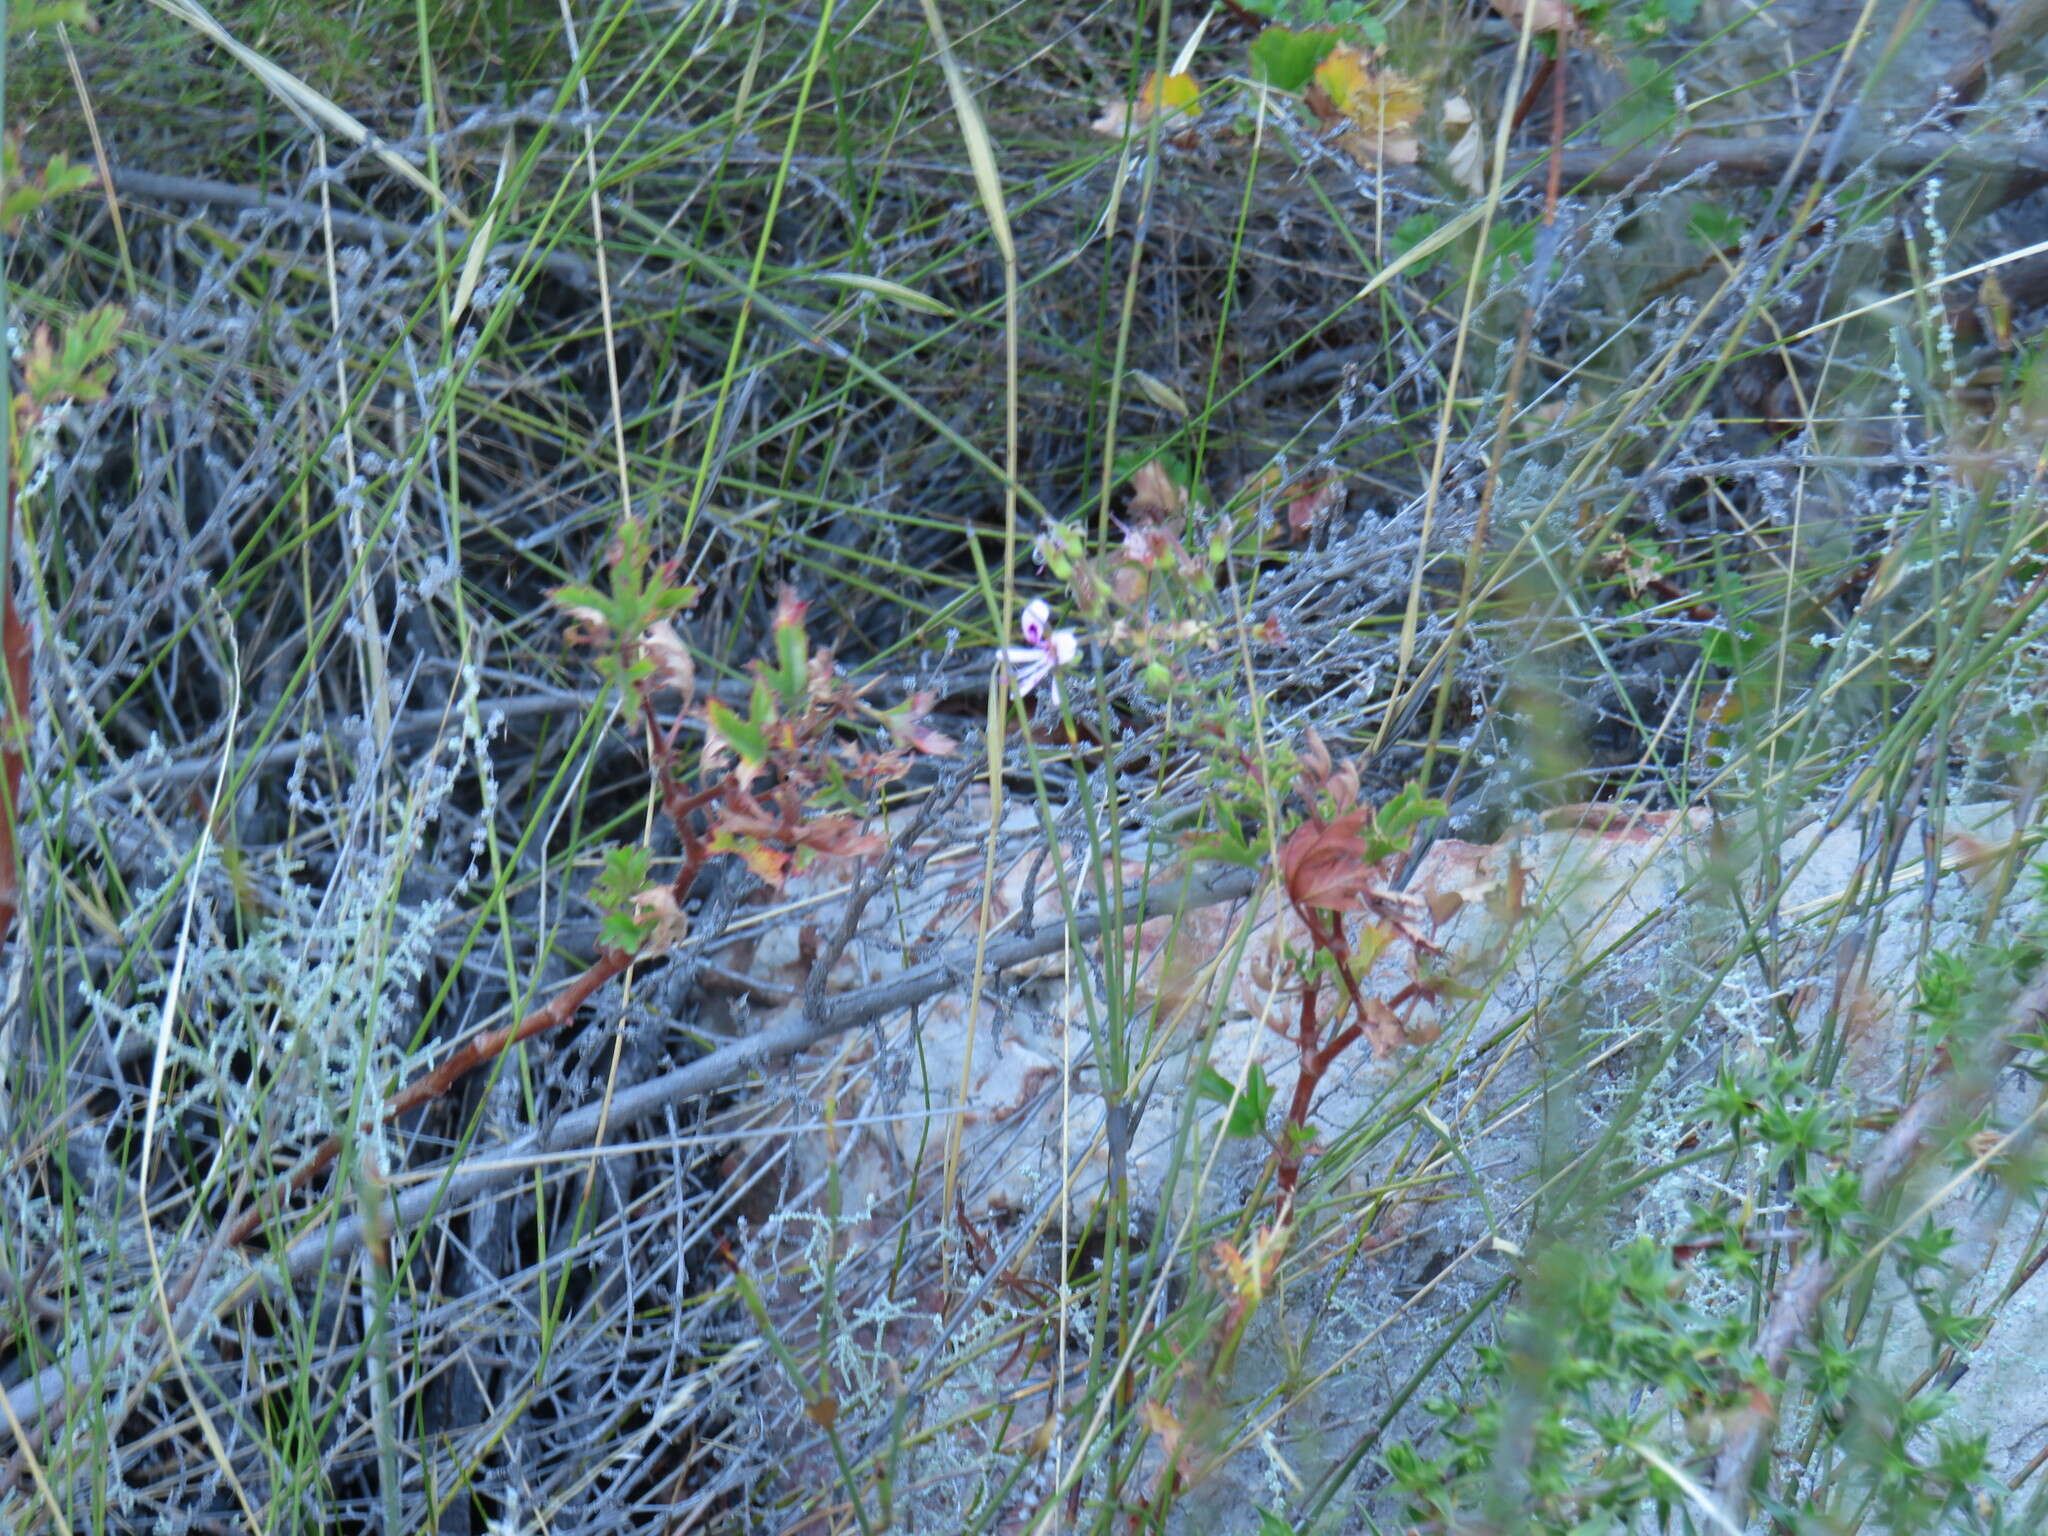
<point x="681" y="807"/>
<point x="1536" y="83"/>
<point x="14" y="649"/>
<point x="1287" y="1168"/>
<point x="1318" y="1055"/>
<point x="1559" y="83"/>
<point x="432" y="1085"/>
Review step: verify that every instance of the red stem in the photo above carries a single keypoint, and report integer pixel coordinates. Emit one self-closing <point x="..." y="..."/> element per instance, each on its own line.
<point x="14" y="649"/>
<point x="1318" y="1056"/>
<point x="432" y="1085"/>
<point x="494" y="1043"/>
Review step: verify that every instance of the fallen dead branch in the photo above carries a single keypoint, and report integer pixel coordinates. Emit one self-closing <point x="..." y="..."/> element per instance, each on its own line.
<point x="1760" y="160"/>
<point x="337" y="1241"/>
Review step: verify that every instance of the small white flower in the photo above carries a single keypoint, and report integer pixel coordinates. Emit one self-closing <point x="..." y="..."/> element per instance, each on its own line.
<point x="1044" y="651"/>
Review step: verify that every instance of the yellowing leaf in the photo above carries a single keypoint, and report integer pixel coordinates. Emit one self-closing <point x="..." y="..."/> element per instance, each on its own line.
<point x="1174" y="93"/>
<point x="1380" y="105"/>
<point x="1998" y="307"/>
<point x="1371" y="98"/>
<point x="1174" y="99"/>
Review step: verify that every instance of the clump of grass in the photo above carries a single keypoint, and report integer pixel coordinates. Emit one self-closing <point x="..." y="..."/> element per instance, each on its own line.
<point x="1379" y="511"/>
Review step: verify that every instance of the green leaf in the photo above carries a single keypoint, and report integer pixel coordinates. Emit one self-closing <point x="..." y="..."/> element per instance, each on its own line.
<point x="86" y="345"/>
<point x="625" y="875"/>
<point x="1271" y="1524"/>
<point x="77" y="371"/>
<point x="574" y="596"/>
<point x="1713" y="225"/>
<point x="624" y="932"/>
<point x="1405" y="810"/>
<point x="1651" y="19"/>
<point x="1248" y="1110"/>
<point x="18" y="203"/>
<point x="1228" y="842"/>
<point x="61" y="176"/>
<point x="1410" y="233"/>
<point x="1511" y="241"/>
<point x="746" y="739"/>
<point x="791" y="653"/>
<point x="1646" y="111"/>
<point x="1248" y="1118"/>
<point x="1286" y="59"/>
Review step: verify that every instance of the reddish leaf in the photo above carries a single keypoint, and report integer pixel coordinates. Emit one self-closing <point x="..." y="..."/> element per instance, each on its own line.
<point x="1384" y="1026"/>
<point x="769" y="865"/>
<point x="837" y="837"/>
<point x="1315" y="757"/>
<point x="1313" y="502"/>
<point x="1324" y="866"/>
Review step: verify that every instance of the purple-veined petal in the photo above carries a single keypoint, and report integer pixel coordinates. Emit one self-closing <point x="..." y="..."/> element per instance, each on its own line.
<point x="1036" y="622"/>
<point x="1030" y="676"/>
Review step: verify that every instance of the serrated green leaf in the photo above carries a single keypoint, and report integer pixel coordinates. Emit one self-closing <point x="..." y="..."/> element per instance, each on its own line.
<point x="1286" y="59"/>
<point x="624" y="932"/>
<point x="747" y="740"/>
<point x="93" y="337"/>
<point x="624" y="876"/>
<point x="1648" y="109"/>
<point x="1410" y="233"/>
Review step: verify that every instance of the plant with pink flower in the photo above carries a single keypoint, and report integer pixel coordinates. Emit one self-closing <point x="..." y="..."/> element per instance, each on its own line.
<point x="1044" y="652"/>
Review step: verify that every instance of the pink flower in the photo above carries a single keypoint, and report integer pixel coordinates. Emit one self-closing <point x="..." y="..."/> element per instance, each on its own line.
<point x="1044" y="651"/>
<point x="1146" y="544"/>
